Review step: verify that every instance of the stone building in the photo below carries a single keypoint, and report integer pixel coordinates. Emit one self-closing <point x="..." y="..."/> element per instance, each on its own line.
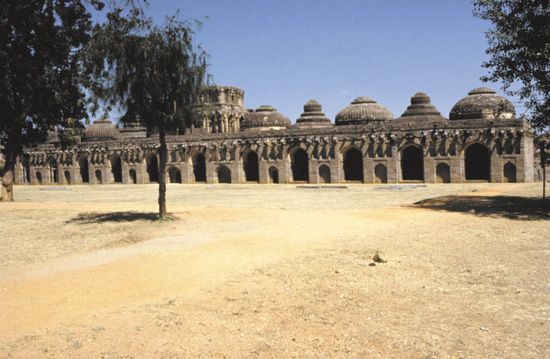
<point x="482" y="140"/>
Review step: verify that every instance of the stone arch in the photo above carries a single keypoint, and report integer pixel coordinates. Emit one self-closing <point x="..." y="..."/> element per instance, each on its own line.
<point x="67" y="175"/>
<point x="38" y="175"/>
<point x="380" y="173"/>
<point x="54" y="170"/>
<point x="84" y="170"/>
<point x="509" y="172"/>
<point x="98" y="177"/>
<point x="477" y="162"/>
<point x="251" y="166"/>
<point x="116" y="168"/>
<point x="224" y="174"/>
<point x="324" y="174"/>
<point x="353" y="165"/>
<point x="299" y="163"/>
<point x="442" y="173"/>
<point x="174" y="175"/>
<point x="273" y="173"/>
<point x="199" y="167"/>
<point x="133" y="176"/>
<point x="152" y="168"/>
<point x="412" y="163"/>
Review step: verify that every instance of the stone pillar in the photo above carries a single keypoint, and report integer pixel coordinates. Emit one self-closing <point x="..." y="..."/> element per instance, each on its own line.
<point x="368" y="170"/>
<point x="429" y="169"/>
<point x="393" y="167"/>
<point x="496" y="175"/>
<point x="263" y="167"/>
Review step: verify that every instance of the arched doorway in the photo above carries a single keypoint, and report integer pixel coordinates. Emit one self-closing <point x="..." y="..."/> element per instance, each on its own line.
<point x="442" y="173"/>
<point x="324" y="174"/>
<point x="250" y="165"/>
<point x="116" y="168"/>
<point x="199" y="168"/>
<point x="477" y="163"/>
<point x="299" y="165"/>
<point x="273" y="174"/>
<point x="54" y="172"/>
<point x="174" y="175"/>
<point x="412" y="164"/>
<point x="353" y="165"/>
<point x="98" y="177"/>
<point x="39" y="177"/>
<point x="153" y="168"/>
<point x="224" y="174"/>
<point x="380" y="173"/>
<point x="84" y="174"/>
<point x="67" y="177"/>
<point x="509" y="172"/>
<point x="133" y="176"/>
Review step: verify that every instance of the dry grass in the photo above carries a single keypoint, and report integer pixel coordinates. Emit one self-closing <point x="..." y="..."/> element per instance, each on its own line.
<point x="276" y="271"/>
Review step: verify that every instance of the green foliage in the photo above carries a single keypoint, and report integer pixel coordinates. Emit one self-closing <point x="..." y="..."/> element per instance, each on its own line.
<point x="40" y="68"/>
<point x="519" y="51"/>
<point x="152" y="71"/>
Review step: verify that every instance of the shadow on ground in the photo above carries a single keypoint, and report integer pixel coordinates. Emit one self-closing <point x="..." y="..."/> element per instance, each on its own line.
<point x="126" y="216"/>
<point x="520" y="208"/>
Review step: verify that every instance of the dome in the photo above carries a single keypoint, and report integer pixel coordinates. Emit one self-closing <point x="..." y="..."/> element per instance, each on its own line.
<point x="483" y="103"/>
<point x="264" y="118"/>
<point x="101" y="130"/>
<point x="361" y="111"/>
<point x="313" y="116"/>
<point x="421" y="110"/>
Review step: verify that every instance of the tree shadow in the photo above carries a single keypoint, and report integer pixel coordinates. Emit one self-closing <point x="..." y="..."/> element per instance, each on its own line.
<point x="518" y="208"/>
<point x="126" y="216"/>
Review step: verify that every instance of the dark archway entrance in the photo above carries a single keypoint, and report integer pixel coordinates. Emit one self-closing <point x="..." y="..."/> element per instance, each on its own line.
<point x="98" y="177"/>
<point x="174" y="175"/>
<point x="412" y="164"/>
<point x="380" y="173"/>
<point x="39" y="177"/>
<point x="116" y="168"/>
<point x="300" y="166"/>
<point x="199" y="168"/>
<point x="477" y="163"/>
<point x="224" y="174"/>
<point x="54" y="171"/>
<point x="153" y="168"/>
<point x="250" y="164"/>
<point x="67" y="177"/>
<point x="442" y="173"/>
<point x="324" y="174"/>
<point x="509" y="172"/>
<point x="84" y="174"/>
<point x="353" y="165"/>
<point x="273" y="175"/>
<point x="133" y="176"/>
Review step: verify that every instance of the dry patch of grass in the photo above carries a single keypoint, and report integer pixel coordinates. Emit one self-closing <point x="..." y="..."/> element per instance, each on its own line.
<point x="293" y="282"/>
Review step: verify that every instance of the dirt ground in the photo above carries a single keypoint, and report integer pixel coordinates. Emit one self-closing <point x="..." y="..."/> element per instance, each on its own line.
<point x="275" y="271"/>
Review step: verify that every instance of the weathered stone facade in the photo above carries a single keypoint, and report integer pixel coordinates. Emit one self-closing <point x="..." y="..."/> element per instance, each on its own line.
<point x="482" y="141"/>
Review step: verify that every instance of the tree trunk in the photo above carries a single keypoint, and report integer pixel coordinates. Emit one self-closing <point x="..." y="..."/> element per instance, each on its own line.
<point x="163" y="154"/>
<point x="6" y="192"/>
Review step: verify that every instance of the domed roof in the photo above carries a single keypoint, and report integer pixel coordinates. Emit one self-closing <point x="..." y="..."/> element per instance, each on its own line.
<point x="101" y="130"/>
<point x="421" y="110"/>
<point x="264" y="118"/>
<point x="483" y="103"/>
<point x="363" y="110"/>
<point x="313" y="116"/>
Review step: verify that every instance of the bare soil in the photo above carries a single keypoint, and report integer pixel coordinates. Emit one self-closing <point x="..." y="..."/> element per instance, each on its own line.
<point x="253" y="271"/>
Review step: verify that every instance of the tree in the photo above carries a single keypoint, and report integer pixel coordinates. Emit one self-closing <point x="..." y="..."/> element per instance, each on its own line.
<point x="39" y="73"/>
<point x="519" y="50"/>
<point x="152" y="71"/>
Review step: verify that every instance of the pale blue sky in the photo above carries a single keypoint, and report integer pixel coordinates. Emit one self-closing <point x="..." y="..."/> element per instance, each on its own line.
<point x="284" y="52"/>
